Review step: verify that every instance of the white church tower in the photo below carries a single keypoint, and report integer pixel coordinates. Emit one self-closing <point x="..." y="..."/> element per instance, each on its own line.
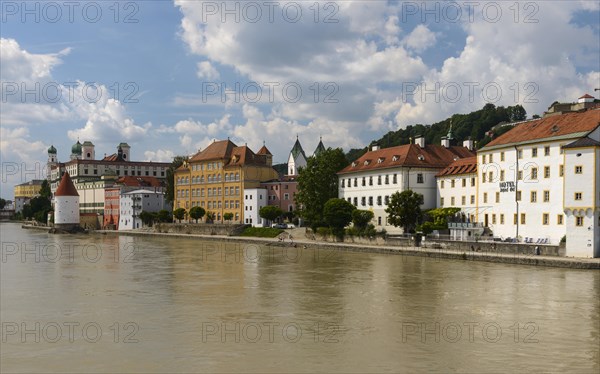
<point x="52" y="161"/>
<point x="66" y="204"/>
<point x="297" y="158"/>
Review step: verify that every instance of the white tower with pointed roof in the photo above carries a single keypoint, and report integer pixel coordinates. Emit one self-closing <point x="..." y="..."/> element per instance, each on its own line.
<point x="297" y="158"/>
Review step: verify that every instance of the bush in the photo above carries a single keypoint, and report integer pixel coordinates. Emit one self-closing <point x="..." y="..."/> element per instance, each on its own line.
<point x="261" y="232"/>
<point x="325" y="231"/>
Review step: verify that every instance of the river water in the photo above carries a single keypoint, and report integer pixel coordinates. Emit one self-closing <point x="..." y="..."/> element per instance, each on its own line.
<point x="101" y="303"/>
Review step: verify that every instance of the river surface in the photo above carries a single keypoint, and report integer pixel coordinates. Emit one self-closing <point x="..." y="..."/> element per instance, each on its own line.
<point x="100" y="303"/>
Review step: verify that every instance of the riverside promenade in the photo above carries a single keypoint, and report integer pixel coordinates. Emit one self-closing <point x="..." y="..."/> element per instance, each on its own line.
<point x="517" y="259"/>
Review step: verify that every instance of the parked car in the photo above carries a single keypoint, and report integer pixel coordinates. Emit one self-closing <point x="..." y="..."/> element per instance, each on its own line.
<point x="280" y="226"/>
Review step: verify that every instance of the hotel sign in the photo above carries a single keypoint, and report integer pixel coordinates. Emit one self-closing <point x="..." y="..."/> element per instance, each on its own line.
<point x="507" y="186"/>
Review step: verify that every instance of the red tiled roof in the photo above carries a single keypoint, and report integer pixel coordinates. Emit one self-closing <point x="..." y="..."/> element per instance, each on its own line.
<point x="230" y="153"/>
<point x="430" y="156"/>
<point x="264" y="151"/>
<point x="114" y="157"/>
<point x="550" y="127"/>
<point x="587" y="96"/>
<point x="461" y="166"/>
<point x="133" y="181"/>
<point x="66" y="187"/>
<point x="215" y="151"/>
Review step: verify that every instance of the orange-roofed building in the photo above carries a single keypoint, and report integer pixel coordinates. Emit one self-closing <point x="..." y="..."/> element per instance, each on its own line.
<point x="531" y="189"/>
<point x="216" y="177"/>
<point x="369" y="181"/>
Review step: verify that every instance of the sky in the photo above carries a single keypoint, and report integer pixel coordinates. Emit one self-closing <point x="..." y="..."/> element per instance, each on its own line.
<point x="169" y="77"/>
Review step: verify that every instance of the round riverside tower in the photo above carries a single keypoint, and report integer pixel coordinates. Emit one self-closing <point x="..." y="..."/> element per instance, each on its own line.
<point x="66" y="204"/>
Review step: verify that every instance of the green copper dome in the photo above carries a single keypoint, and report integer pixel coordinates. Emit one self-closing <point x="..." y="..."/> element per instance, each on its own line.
<point x="76" y="148"/>
<point x="52" y="150"/>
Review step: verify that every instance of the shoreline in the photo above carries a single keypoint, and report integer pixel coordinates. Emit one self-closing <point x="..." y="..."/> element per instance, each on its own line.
<point x="515" y="259"/>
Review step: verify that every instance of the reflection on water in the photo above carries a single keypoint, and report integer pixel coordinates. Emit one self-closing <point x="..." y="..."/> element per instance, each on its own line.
<point x="128" y="304"/>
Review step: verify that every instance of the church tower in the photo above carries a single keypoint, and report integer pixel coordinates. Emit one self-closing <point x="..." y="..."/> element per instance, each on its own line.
<point x="297" y="158"/>
<point x="52" y="161"/>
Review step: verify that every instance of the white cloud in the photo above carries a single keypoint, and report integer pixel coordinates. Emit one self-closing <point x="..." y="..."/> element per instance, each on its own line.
<point x="420" y="39"/>
<point x="207" y="71"/>
<point x="160" y="155"/>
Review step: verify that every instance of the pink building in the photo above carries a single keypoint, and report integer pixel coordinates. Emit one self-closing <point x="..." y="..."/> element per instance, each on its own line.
<point x="281" y="193"/>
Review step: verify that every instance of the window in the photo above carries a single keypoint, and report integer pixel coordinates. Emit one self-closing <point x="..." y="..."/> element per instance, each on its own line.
<point x="395" y="179"/>
<point x="546" y="171"/>
<point x="387" y="200"/>
<point x="523" y="218"/>
<point x="363" y="201"/>
<point x="483" y="159"/>
<point x="534" y="173"/>
<point x="472" y="199"/>
<point x="483" y="177"/>
<point x="578" y="195"/>
<point x="379" y="180"/>
<point x="497" y="197"/>
<point x="370" y="181"/>
<point x="379" y="200"/>
<point x="501" y="175"/>
<point x="546" y="196"/>
<point x="355" y="201"/>
<point x="420" y="178"/>
<point x="578" y="169"/>
<point x="578" y="221"/>
<point x="491" y="158"/>
<point x="534" y="196"/>
<point x="520" y="175"/>
<point x="485" y="197"/>
<point x="561" y="170"/>
<point x="502" y="219"/>
<point x="370" y="200"/>
<point x="464" y="182"/>
<point x="452" y="201"/>
<point x="343" y="182"/>
<point x="546" y="151"/>
<point x="501" y="156"/>
<point x="545" y="219"/>
<point x="452" y="184"/>
<point x="533" y="152"/>
<point x="286" y="196"/>
<point x="463" y="200"/>
<point x="387" y="179"/>
<point x="559" y="219"/>
<point x="518" y="197"/>
<point x="355" y="182"/>
<point x="441" y="201"/>
<point x="473" y="182"/>
<point x="491" y="176"/>
<point x="442" y="184"/>
<point x="515" y="219"/>
<point x="520" y="154"/>
<point x="364" y="181"/>
<point x="493" y="219"/>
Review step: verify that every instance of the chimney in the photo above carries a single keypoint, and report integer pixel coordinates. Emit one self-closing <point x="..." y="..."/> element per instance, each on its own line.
<point x="420" y="141"/>
<point x="374" y="147"/>
<point x="445" y="142"/>
<point x="469" y="144"/>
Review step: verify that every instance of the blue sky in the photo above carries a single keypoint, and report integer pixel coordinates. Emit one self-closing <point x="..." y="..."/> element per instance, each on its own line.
<point x="364" y="62"/>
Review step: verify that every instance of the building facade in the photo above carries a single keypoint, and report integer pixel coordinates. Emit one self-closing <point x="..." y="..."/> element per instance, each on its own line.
<point x="254" y="199"/>
<point x="25" y="192"/>
<point x="369" y="182"/>
<point x="216" y="178"/>
<point x="132" y="203"/>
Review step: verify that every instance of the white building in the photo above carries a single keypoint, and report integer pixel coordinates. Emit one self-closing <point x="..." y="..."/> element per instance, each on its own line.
<point x="254" y="199"/>
<point x="528" y="181"/>
<point x="134" y="202"/>
<point x="369" y="181"/>
<point x="66" y="204"/>
<point x="457" y="188"/>
<point x="582" y="196"/>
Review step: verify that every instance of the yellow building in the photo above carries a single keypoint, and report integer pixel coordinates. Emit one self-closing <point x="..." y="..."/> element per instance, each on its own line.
<point x="25" y="192"/>
<point x="215" y="178"/>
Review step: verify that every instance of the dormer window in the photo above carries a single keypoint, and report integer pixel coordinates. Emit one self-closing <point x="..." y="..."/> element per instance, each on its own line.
<point x="366" y="162"/>
<point x="380" y="160"/>
<point x="395" y="158"/>
<point x="421" y="157"/>
<point x="353" y="164"/>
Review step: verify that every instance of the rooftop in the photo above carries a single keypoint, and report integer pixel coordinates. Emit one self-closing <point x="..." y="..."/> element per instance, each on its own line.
<point x="461" y="166"/>
<point x="66" y="187"/>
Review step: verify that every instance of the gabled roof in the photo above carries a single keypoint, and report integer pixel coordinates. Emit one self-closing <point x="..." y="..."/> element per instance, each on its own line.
<point x="297" y="150"/>
<point x="264" y="151"/>
<point x="461" y="166"/>
<point x="409" y="155"/>
<point x="583" y="142"/>
<point x="66" y="187"/>
<point x="114" y="157"/>
<point x="563" y="126"/>
<point x="587" y="96"/>
<point x="229" y="153"/>
<point x="215" y="151"/>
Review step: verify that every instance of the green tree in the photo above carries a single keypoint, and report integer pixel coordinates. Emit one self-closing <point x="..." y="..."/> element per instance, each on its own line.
<point x="404" y="209"/>
<point x="170" y="193"/>
<point x="439" y="216"/>
<point x="338" y="214"/>
<point x="164" y="216"/>
<point x="270" y="212"/>
<point x="179" y="214"/>
<point x="45" y="191"/>
<point x="197" y="213"/>
<point x="361" y="218"/>
<point x="2" y="203"/>
<point x="147" y="218"/>
<point x="210" y="217"/>
<point x="228" y="216"/>
<point x="317" y="183"/>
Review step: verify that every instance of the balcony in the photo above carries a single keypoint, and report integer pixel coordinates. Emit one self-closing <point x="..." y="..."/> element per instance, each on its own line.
<point x="465" y="225"/>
